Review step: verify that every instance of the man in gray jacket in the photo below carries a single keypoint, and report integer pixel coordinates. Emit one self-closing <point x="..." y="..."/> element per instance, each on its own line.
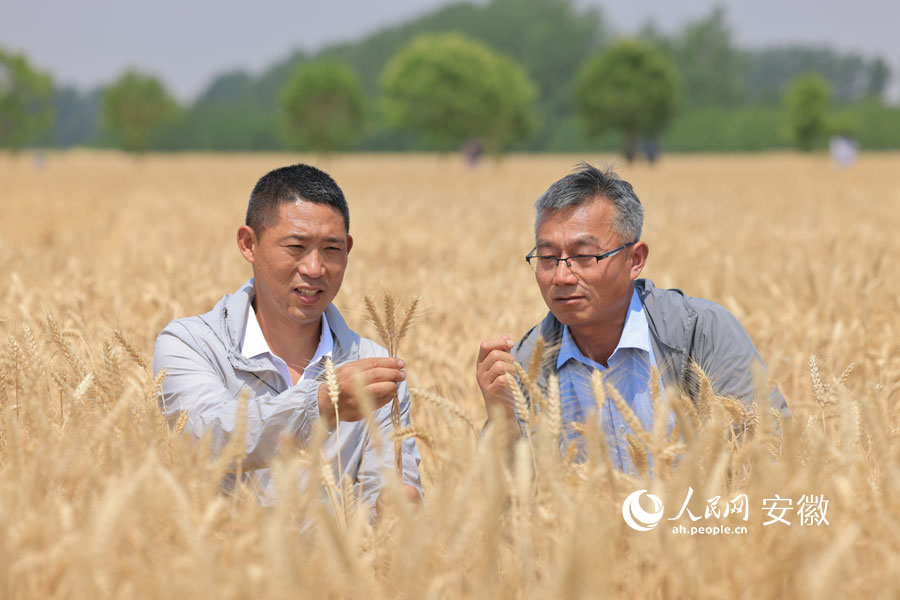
<point x="587" y="258"/>
<point x="269" y="341"/>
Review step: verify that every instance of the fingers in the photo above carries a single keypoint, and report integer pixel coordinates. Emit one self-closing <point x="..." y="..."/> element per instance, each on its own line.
<point x="493" y="371"/>
<point x="382" y="392"/>
<point x="498" y="369"/>
<point x="383" y="362"/>
<point x="502" y="343"/>
<point x="377" y="379"/>
<point x="495" y="363"/>
<point x="382" y="374"/>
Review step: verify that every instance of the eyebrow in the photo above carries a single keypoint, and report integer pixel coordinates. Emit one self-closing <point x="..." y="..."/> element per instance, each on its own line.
<point x="305" y="238"/>
<point x="580" y="241"/>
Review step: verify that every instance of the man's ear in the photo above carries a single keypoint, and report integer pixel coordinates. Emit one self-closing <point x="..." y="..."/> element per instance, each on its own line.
<point x="247" y="242"/>
<point x="639" y="253"/>
<point x="349" y="243"/>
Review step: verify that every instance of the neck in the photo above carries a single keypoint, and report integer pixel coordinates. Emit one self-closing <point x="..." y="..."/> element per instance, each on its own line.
<point x="598" y="340"/>
<point x="295" y="343"/>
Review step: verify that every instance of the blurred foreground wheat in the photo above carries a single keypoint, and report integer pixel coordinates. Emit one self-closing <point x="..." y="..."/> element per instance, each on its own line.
<point x="98" y="498"/>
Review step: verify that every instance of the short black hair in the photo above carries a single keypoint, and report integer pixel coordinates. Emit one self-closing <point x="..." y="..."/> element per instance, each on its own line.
<point x="290" y="184"/>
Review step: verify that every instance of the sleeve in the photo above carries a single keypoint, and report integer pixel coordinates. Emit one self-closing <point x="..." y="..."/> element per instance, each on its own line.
<point x="724" y="350"/>
<point x="195" y="386"/>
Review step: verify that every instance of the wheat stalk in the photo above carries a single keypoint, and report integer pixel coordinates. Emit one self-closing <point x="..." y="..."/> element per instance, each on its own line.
<point x="407" y="319"/>
<point x="405" y="433"/>
<point x="84" y="386"/>
<point x="521" y="404"/>
<point x="130" y="348"/>
<point x="334" y="394"/>
<point x="15" y="353"/>
<point x="638" y="452"/>
<point x="446" y="405"/>
<point x="637" y="428"/>
<point x="537" y="401"/>
<point x="376" y="320"/>
<point x="390" y="321"/>
<point x="706" y="397"/>
<point x="846" y="373"/>
<point x="536" y="359"/>
<point x="820" y="389"/>
<point x="63" y="346"/>
<point x="554" y="406"/>
<point x="391" y="334"/>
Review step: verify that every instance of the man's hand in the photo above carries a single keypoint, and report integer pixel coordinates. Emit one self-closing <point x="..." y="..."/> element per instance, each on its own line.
<point x="409" y="494"/>
<point x="493" y="371"/>
<point x="370" y="379"/>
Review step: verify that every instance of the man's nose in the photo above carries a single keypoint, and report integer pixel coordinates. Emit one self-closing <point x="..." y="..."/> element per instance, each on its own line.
<point x="311" y="264"/>
<point x="564" y="274"/>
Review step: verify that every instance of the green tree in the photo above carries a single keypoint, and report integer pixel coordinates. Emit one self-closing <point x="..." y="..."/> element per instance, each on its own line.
<point x="448" y="89"/>
<point x="805" y="110"/>
<point x="138" y="112"/>
<point x="712" y="68"/>
<point x="26" y="102"/>
<point x="76" y="116"/>
<point x="323" y="106"/>
<point x="630" y="87"/>
<point x="851" y="76"/>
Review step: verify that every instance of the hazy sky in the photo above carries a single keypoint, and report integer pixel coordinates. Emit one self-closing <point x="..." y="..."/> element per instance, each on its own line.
<point x="187" y="42"/>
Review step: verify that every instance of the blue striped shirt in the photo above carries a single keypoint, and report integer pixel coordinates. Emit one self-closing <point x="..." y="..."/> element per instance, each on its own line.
<point x="628" y="371"/>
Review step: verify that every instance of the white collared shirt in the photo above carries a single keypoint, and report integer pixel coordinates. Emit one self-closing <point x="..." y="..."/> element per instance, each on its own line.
<point x="254" y="344"/>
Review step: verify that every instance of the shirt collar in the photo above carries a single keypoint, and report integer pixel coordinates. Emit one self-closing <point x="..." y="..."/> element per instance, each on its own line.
<point x="254" y="342"/>
<point x="635" y="334"/>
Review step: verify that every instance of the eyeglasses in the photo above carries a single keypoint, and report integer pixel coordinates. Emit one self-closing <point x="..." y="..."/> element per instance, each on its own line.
<point x="576" y="263"/>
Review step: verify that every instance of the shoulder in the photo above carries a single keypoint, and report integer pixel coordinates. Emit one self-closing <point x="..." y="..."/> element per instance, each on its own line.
<point x="679" y="320"/>
<point x="197" y="333"/>
<point x="196" y="326"/>
<point x="717" y="324"/>
<point x="674" y="301"/>
<point x="704" y="323"/>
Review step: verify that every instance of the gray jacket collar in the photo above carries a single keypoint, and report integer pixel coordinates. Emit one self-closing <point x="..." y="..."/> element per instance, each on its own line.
<point x="227" y="319"/>
<point x="670" y="318"/>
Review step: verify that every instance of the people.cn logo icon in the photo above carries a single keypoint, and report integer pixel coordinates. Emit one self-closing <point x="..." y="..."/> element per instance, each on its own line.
<point x="638" y="518"/>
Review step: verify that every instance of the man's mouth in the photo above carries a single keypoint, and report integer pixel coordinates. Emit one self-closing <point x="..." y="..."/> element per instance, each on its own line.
<point x="308" y="295"/>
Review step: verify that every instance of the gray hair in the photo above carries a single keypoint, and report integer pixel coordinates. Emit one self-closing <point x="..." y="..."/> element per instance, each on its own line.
<point x="588" y="183"/>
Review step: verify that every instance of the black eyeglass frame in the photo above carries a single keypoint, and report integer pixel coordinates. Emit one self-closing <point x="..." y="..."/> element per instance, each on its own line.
<point x="599" y="257"/>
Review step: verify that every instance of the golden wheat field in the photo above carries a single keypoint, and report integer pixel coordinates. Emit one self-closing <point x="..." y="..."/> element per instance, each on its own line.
<point x="98" y="499"/>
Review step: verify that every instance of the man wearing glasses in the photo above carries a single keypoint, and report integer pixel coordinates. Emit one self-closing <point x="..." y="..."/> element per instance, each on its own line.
<point x="587" y="258"/>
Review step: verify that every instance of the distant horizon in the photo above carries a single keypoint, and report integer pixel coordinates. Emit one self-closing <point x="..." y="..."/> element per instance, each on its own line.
<point x="187" y="50"/>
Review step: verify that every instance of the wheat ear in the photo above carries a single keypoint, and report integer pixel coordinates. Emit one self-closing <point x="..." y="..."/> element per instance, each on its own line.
<point x="390" y="320"/>
<point x="407" y="318"/>
<point x="404" y="433"/>
<point x="537" y="358"/>
<point x="446" y="405"/>
<point x="375" y="318"/>
<point x="130" y="349"/>
<point x="637" y="428"/>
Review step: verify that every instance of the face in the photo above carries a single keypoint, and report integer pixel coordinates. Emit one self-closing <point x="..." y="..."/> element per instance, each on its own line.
<point x="298" y="262"/>
<point x="599" y="294"/>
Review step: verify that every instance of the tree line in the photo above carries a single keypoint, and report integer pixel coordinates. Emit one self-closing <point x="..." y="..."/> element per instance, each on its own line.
<point x="533" y="75"/>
